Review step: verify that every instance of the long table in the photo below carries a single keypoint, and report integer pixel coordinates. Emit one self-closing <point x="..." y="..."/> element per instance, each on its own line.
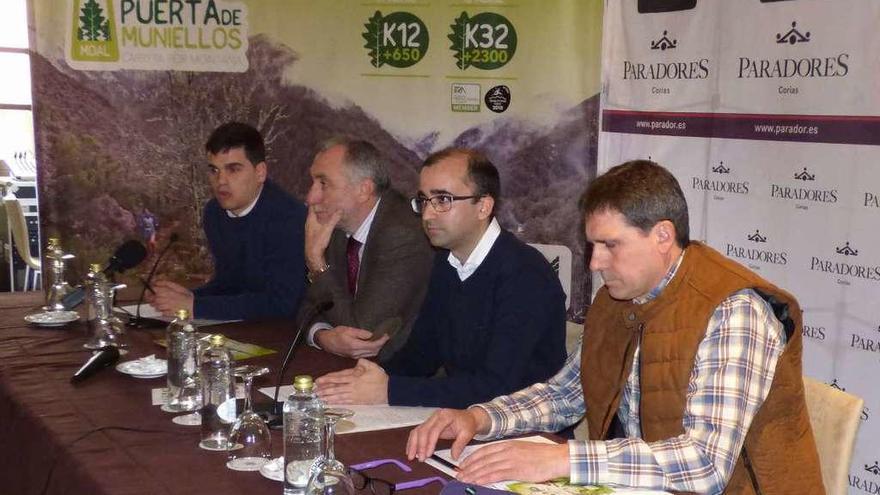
<point x="103" y="436"/>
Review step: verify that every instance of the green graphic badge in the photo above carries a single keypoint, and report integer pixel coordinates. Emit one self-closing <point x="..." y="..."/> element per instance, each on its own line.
<point x="485" y="41"/>
<point x="93" y="37"/>
<point x="399" y="39"/>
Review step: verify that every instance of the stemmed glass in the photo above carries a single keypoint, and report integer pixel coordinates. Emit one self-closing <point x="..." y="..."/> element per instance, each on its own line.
<point x="250" y="443"/>
<point x="327" y="460"/>
<point x="330" y="482"/>
<point x="328" y="475"/>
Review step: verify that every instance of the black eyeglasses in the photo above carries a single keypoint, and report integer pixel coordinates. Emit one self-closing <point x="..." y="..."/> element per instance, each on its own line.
<point x="440" y="202"/>
<point x="377" y="486"/>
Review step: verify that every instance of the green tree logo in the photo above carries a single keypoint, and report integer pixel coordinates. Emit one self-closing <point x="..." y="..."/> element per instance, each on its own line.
<point x="399" y="39"/>
<point x="485" y="41"/>
<point x="93" y="25"/>
<point x="92" y="31"/>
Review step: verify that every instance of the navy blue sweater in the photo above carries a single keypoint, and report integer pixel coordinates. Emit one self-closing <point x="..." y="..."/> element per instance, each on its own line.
<point x="500" y="330"/>
<point x="259" y="266"/>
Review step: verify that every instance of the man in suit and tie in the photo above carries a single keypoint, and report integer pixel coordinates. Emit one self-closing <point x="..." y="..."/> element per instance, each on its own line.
<point x="365" y="251"/>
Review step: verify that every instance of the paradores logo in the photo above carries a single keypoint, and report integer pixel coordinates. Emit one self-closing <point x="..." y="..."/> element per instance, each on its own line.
<point x="198" y="35"/>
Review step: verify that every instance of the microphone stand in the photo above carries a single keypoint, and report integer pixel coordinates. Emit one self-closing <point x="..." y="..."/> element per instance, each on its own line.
<point x="273" y="416"/>
<point x="138" y="321"/>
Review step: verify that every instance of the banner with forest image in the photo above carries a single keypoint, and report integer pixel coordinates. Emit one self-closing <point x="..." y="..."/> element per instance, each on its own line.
<point x="126" y="92"/>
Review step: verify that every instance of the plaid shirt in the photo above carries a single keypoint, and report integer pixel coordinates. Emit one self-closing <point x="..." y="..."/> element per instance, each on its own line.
<point x="731" y="377"/>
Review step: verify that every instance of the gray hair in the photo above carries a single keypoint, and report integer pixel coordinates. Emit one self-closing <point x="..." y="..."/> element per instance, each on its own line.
<point x="362" y="161"/>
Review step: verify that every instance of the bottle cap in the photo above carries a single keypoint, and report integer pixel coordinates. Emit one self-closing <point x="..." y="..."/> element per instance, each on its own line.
<point x="54" y="241"/>
<point x="95" y="267"/>
<point x="303" y="382"/>
<point x="182" y="314"/>
<point x="218" y="340"/>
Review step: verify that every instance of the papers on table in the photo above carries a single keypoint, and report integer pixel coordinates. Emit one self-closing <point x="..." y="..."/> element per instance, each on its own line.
<point x="447" y="464"/>
<point x="442" y="460"/>
<point x="148" y="311"/>
<point x="368" y="418"/>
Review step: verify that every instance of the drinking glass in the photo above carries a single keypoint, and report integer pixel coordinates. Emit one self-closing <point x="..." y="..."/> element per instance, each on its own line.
<point x="327" y="460"/>
<point x="330" y="482"/>
<point x="250" y="443"/>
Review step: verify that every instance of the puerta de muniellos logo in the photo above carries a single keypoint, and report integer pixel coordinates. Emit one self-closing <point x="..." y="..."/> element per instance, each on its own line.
<point x="718" y="184"/>
<point x="801" y="194"/>
<point x="787" y="67"/>
<point x="756" y="253"/>
<point x="638" y="70"/>
<point x="844" y="266"/>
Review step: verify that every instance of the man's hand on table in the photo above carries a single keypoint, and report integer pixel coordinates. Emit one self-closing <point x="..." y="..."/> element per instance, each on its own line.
<point x="350" y="342"/>
<point x="366" y="383"/>
<point x="459" y="425"/>
<point x="168" y="297"/>
<point x="523" y="461"/>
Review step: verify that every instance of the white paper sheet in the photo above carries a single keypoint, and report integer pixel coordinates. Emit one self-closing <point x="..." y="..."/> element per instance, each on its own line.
<point x="446" y="455"/>
<point x="148" y="311"/>
<point x="369" y="418"/>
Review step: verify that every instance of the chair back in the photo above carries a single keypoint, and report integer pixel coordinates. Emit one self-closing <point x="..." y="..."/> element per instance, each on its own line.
<point x="835" y="417"/>
<point x="559" y="257"/>
<point x="15" y="217"/>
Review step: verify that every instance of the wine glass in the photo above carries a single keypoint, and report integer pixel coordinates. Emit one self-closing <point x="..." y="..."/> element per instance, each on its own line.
<point x="330" y="482"/>
<point x="327" y="460"/>
<point x="250" y="443"/>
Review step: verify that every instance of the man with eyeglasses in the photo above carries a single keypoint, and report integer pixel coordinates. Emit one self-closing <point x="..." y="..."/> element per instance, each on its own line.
<point x="255" y="234"/>
<point x="365" y="252"/>
<point x="493" y="319"/>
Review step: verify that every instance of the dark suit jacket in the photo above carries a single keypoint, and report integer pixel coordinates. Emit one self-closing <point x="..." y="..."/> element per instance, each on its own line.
<point x="392" y="280"/>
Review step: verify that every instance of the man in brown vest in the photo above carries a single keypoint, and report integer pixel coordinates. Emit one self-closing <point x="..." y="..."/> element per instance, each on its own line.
<point x="689" y="374"/>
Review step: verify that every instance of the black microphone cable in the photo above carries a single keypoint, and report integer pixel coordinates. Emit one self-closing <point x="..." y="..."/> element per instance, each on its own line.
<point x="137" y="320"/>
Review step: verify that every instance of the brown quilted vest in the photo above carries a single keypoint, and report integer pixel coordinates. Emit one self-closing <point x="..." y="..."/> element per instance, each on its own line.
<point x="779" y="455"/>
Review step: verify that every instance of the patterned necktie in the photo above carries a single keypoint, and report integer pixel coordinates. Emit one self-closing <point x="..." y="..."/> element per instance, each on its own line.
<point x="354" y="263"/>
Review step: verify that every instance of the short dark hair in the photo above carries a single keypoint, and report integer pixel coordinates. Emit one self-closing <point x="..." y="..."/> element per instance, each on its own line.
<point x="481" y="172"/>
<point x="644" y="193"/>
<point x="362" y="160"/>
<point x="237" y="135"/>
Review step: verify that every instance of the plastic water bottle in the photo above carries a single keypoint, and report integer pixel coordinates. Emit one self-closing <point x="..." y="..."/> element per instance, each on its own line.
<point x="218" y="396"/>
<point x="184" y="389"/>
<point x="303" y="429"/>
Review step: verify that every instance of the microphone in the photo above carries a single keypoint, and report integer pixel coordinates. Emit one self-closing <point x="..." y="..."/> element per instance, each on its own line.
<point x="275" y="420"/>
<point x="138" y="321"/>
<point x="128" y="255"/>
<point x="102" y="358"/>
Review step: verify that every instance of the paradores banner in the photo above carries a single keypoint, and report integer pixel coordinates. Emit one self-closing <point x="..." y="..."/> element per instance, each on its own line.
<point x="768" y="113"/>
<point x="127" y="91"/>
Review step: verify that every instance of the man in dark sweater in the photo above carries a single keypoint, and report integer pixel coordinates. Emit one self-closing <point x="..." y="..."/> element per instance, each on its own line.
<point x="493" y="319"/>
<point x="255" y="234"/>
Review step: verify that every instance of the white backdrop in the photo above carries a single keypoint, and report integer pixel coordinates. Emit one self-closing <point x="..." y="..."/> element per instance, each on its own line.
<point x="768" y="112"/>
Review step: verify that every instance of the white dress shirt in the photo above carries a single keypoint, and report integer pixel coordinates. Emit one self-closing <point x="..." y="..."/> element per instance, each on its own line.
<point x="481" y="250"/>
<point x="248" y="209"/>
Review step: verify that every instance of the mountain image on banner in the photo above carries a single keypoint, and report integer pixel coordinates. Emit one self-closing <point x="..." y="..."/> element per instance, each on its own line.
<point x="119" y="146"/>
